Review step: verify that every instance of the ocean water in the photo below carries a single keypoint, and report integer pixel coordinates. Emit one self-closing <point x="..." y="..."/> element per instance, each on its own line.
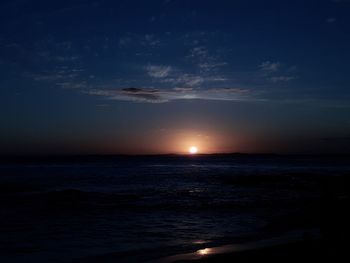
<point x="137" y="209"/>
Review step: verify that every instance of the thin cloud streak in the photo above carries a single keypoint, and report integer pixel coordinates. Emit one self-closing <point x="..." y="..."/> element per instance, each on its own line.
<point x="151" y="95"/>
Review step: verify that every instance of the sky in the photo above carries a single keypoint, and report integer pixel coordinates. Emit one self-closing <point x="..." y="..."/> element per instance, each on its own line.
<point x="149" y="77"/>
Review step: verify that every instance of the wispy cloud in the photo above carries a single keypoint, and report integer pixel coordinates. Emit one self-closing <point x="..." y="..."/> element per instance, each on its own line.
<point x="276" y="71"/>
<point x="269" y="66"/>
<point x="186" y="80"/>
<point x="205" y="61"/>
<point x="151" y="95"/>
<point x="158" y="71"/>
<point x="64" y="58"/>
<point x="199" y="52"/>
<point x="190" y="80"/>
<point x="276" y="79"/>
<point x="207" y="66"/>
<point x="150" y="40"/>
<point x="129" y="94"/>
<point x="139" y="40"/>
<point x="175" y="77"/>
<point x="64" y="77"/>
<point x="52" y="76"/>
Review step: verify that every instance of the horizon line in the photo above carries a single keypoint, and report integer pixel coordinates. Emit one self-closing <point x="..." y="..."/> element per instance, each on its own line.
<point x="163" y="154"/>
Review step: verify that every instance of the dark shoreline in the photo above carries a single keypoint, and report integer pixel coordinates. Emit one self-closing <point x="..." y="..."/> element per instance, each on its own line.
<point x="304" y="251"/>
<point x="307" y="248"/>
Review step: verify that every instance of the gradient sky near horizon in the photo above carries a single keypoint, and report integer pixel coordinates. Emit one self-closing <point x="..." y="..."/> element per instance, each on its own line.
<point x="105" y="76"/>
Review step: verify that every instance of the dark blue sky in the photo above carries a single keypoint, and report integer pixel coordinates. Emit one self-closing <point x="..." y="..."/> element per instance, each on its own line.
<point x="160" y="76"/>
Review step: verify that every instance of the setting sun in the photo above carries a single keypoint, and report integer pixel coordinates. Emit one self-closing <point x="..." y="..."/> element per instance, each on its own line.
<point x="193" y="150"/>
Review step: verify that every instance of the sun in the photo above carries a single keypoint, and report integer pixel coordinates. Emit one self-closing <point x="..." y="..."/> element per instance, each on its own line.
<point x="193" y="150"/>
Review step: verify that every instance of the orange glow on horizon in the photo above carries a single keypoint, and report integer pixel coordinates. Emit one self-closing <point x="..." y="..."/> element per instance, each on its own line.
<point x="177" y="141"/>
<point x="196" y="142"/>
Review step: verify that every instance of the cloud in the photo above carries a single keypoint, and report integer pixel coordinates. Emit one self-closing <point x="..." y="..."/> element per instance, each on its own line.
<point x="207" y="66"/>
<point x="199" y="52"/>
<point x="183" y="89"/>
<point x="151" y="95"/>
<point x="277" y="72"/>
<point x="62" y="76"/>
<point x="205" y="61"/>
<point x="47" y="55"/>
<point x="269" y="66"/>
<point x="159" y="71"/>
<point x="189" y="80"/>
<point x="73" y="85"/>
<point x="52" y="76"/>
<point x="65" y="58"/>
<point x="130" y="94"/>
<point x="166" y="74"/>
<point x="177" y="78"/>
<point x="142" y="40"/>
<point x="282" y="78"/>
<point x="150" y="40"/>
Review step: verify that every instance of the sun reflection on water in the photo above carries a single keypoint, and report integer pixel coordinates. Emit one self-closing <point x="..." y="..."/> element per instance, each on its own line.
<point x="205" y="251"/>
<point x="200" y="242"/>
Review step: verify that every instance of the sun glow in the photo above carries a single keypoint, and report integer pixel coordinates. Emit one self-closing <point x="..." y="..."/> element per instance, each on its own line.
<point x="193" y="150"/>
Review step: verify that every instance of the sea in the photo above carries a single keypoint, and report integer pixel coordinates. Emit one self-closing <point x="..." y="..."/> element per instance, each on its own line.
<point x="145" y="208"/>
